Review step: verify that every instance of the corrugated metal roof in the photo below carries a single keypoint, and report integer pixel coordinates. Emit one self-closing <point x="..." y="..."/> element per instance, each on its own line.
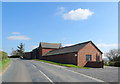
<point x="50" y="45"/>
<point x="68" y="49"/>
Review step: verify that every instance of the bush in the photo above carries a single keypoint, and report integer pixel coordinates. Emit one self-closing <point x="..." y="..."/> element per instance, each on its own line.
<point x="3" y="55"/>
<point x="114" y="63"/>
<point x="106" y="63"/>
<point x="111" y="63"/>
<point x="117" y="63"/>
<point x="14" y="56"/>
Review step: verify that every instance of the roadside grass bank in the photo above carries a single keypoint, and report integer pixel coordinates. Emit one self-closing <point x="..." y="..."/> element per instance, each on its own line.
<point x="66" y="65"/>
<point x="4" y="64"/>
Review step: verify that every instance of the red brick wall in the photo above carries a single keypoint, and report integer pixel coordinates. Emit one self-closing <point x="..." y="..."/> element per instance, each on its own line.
<point x="69" y="58"/>
<point x="34" y="54"/>
<point x="27" y="55"/>
<point x="89" y="49"/>
<point x="94" y="64"/>
<point x="39" y="53"/>
<point x="45" y="50"/>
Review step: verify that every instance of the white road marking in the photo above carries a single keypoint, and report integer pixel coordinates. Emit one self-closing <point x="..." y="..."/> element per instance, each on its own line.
<point x="86" y="76"/>
<point x="46" y="76"/>
<point x="34" y="66"/>
<point x="80" y="74"/>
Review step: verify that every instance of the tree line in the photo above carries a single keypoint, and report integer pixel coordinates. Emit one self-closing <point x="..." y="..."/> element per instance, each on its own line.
<point x="19" y="52"/>
<point x="114" y="57"/>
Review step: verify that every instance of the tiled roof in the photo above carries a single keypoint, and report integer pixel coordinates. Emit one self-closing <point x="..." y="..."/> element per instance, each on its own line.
<point x="50" y="45"/>
<point x="68" y="49"/>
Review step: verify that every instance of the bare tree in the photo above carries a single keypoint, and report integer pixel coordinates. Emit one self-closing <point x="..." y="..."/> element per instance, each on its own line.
<point x="14" y="53"/>
<point x="113" y="55"/>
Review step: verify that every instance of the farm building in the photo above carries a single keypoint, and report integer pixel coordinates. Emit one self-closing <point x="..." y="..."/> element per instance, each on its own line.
<point x="84" y="54"/>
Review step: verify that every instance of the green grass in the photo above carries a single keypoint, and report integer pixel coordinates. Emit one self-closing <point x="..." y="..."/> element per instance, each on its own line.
<point x="66" y="65"/>
<point x="4" y="64"/>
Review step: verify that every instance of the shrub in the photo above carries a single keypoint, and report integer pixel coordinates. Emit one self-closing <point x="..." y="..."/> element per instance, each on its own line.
<point x="111" y="63"/>
<point x="3" y="55"/>
<point x="106" y="63"/>
<point x="114" y="63"/>
<point x="117" y="63"/>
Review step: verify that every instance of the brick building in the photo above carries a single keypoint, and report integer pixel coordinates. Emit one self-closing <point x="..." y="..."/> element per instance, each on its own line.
<point x="40" y="51"/>
<point x="27" y="55"/>
<point x="82" y="54"/>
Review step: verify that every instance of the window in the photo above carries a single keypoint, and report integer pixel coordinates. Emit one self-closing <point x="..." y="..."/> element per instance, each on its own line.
<point x="97" y="58"/>
<point x="88" y="57"/>
<point x="75" y="54"/>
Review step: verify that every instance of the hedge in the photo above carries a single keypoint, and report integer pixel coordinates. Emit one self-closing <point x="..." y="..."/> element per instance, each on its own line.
<point x="114" y="63"/>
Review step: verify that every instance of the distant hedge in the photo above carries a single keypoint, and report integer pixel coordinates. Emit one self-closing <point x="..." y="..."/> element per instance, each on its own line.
<point x="114" y="63"/>
<point x="117" y="63"/>
<point x="14" y="56"/>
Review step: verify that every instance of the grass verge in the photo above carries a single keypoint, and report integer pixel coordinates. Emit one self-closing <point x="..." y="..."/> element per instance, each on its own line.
<point x="4" y="64"/>
<point x="66" y="65"/>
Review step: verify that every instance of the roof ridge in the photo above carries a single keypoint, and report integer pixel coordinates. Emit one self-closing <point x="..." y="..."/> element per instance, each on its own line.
<point x="79" y="43"/>
<point x="76" y="44"/>
<point x="50" y="43"/>
<point x="69" y="46"/>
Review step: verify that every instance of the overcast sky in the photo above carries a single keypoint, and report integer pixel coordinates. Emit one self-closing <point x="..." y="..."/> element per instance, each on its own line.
<point x="66" y="23"/>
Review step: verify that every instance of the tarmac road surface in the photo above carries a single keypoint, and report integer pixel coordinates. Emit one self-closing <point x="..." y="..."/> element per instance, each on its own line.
<point x="35" y="71"/>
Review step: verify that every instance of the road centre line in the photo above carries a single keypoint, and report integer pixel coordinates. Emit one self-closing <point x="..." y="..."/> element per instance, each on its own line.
<point x="43" y="74"/>
<point x="86" y="76"/>
<point x="34" y="66"/>
<point x="80" y="74"/>
<point x="46" y="76"/>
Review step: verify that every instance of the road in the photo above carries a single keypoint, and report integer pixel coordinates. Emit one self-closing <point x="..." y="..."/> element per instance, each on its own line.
<point x="108" y="74"/>
<point x="35" y="71"/>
